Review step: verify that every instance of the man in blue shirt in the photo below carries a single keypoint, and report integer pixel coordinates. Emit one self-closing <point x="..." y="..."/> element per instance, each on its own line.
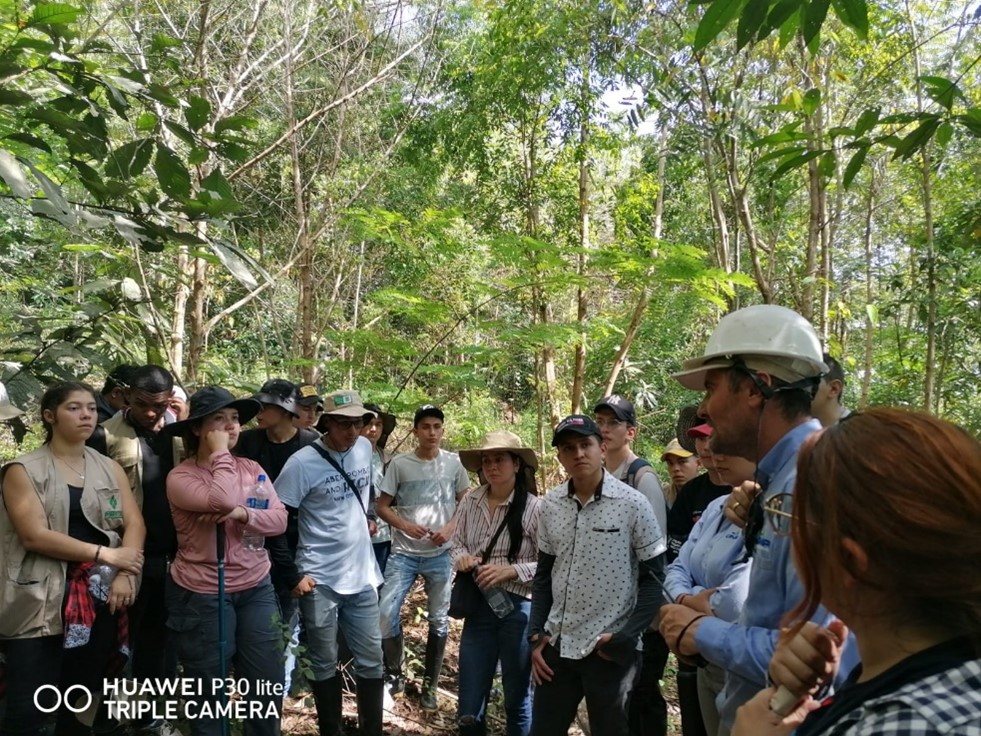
<point x="760" y="370"/>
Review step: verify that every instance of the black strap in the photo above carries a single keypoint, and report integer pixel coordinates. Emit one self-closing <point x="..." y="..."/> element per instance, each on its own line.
<point x="493" y="541"/>
<point x="354" y="489"/>
<point x="634" y="469"/>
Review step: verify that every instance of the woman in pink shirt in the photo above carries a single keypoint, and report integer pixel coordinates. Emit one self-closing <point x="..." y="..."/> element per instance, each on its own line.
<point x="211" y="487"/>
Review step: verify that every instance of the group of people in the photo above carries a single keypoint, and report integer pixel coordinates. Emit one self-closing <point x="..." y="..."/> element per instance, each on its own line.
<point x="821" y="577"/>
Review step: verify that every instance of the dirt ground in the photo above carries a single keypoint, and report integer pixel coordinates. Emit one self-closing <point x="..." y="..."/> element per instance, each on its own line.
<point x="406" y="716"/>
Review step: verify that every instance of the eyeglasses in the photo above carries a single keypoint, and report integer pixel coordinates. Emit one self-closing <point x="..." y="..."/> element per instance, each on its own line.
<point x="611" y="423"/>
<point x="345" y="424"/>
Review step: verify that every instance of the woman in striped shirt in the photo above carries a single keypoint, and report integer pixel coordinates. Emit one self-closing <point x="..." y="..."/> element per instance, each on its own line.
<point x="506" y="500"/>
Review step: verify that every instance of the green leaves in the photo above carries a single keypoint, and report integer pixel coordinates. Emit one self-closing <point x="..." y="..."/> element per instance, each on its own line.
<point x="53" y="14"/>
<point x="759" y="18"/>
<point x="197" y="113"/>
<point x="175" y="181"/>
<point x="854" y="14"/>
<point x="719" y="14"/>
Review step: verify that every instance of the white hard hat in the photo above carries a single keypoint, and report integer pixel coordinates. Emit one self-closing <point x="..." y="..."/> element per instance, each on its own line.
<point x="7" y="410"/>
<point x="766" y="338"/>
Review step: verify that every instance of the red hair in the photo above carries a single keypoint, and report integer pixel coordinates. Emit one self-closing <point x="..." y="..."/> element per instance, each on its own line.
<point x="906" y="487"/>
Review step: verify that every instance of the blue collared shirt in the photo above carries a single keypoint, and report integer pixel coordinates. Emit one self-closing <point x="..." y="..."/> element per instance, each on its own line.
<point x="744" y="648"/>
<point x="712" y="558"/>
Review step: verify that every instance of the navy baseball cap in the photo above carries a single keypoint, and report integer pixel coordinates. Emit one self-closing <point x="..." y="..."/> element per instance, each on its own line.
<point x="577" y="424"/>
<point x="623" y="409"/>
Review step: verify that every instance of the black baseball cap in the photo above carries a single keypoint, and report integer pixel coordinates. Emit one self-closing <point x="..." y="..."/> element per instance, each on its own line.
<point x="578" y="424"/>
<point x="427" y="410"/>
<point x="623" y="409"/>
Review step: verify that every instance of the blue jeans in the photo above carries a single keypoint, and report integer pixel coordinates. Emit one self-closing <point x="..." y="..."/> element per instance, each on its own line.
<point x="289" y="612"/>
<point x="485" y="640"/>
<point x="253" y="643"/>
<point x="357" y="615"/>
<point x="400" y="573"/>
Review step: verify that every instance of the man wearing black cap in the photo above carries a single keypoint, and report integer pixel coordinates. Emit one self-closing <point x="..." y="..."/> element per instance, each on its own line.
<point x="426" y="484"/>
<point x="596" y="589"/>
<point x="309" y="406"/>
<point x="112" y="398"/>
<point x="617" y="420"/>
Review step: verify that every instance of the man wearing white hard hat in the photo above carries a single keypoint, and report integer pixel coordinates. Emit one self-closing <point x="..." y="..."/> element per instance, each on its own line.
<point x="759" y="372"/>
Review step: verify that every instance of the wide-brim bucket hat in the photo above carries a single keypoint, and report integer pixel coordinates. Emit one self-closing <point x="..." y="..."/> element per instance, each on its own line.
<point x="207" y="401"/>
<point x="388" y="420"/>
<point x="499" y="440"/>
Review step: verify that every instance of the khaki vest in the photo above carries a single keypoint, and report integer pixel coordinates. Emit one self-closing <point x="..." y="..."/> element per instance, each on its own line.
<point x="33" y="585"/>
<point x="125" y="448"/>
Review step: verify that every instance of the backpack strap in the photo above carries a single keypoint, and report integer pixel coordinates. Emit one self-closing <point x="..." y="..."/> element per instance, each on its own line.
<point x="633" y="471"/>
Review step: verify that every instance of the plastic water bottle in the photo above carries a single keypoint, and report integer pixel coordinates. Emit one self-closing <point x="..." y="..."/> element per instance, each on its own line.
<point x="100" y="579"/>
<point x="258" y="498"/>
<point x="498" y="599"/>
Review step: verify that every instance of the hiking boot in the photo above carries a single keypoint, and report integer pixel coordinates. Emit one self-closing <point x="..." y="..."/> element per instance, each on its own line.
<point x="435" y="649"/>
<point x="392" y="653"/>
<point x="370" y="700"/>
<point x="328" y="696"/>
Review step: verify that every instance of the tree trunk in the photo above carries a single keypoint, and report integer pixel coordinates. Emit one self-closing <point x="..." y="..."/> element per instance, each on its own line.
<point x="305" y="275"/>
<point x="870" y="324"/>
<point x="582" y="302"/>
<point x="645" y="295"/>
<point x="926" y="167"/>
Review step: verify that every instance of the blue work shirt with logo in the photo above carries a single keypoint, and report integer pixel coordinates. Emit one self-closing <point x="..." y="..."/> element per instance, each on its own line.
<point x="744" y="648"/>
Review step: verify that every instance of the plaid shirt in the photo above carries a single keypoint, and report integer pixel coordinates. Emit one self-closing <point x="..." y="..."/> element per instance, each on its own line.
<point x="947" y="703"/>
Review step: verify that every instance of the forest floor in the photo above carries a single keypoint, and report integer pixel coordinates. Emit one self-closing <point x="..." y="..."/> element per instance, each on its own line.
<point x="407" y="717"/>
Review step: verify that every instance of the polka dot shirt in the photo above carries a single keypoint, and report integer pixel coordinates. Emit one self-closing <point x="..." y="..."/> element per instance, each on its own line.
<point x="597" y="549"/>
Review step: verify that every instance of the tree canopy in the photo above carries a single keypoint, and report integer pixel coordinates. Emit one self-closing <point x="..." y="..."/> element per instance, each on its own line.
<point x="511" y="208"/>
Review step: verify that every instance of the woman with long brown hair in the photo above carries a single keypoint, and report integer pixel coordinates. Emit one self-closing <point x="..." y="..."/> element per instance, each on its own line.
<point x="67" y="512"/>
<point x="496" y="539"/>
<point x="886" y="531"/>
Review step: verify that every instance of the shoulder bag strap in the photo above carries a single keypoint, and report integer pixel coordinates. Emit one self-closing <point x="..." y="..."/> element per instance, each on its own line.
<point x="493" y="541"/>
<point x="357" y="494"/>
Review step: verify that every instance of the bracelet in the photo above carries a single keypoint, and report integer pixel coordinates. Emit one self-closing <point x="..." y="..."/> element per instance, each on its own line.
<point x="98" y="550"/>
<point x="677" y="643"/>
<point x="681" y="599"/>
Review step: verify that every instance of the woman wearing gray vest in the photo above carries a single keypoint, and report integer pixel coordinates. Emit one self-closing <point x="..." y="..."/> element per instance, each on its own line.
<point x="67" y="510"/>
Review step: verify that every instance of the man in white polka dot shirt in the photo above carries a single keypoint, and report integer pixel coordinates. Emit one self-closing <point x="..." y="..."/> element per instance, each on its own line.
<point x="596" y="589"/>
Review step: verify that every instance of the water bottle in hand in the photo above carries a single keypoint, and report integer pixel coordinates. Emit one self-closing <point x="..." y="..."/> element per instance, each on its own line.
<point x="257" y="498"/>
<point x="498" y="599"/>
<point x="100" y="579"/>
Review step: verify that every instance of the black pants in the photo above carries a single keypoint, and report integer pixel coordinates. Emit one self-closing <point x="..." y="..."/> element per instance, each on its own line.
<point x="606" y="685"/>
<point x="648" y="714"/>
<point x="152" y="658"/>
<point x="44" y="662"/>
<point x="691" y="712"/>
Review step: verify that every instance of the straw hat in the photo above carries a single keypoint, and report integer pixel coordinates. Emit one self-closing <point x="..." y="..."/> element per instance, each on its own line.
<point x="500" y="440"/>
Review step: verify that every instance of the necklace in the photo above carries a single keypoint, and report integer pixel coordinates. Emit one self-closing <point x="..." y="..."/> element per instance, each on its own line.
<point x="72" y="467"/>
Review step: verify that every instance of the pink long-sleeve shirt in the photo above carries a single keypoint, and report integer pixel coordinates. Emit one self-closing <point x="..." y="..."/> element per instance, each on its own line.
<point x="194" y="490"/>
